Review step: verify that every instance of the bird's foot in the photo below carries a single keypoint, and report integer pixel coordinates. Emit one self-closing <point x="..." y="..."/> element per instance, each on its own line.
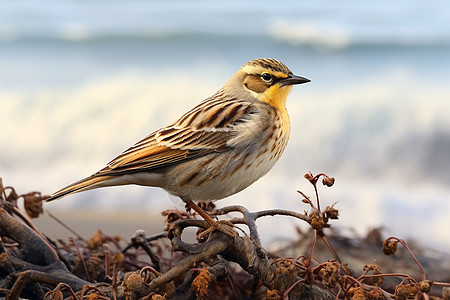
<point x="222" y="226"/>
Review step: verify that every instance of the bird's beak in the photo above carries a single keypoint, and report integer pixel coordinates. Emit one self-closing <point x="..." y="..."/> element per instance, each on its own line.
<point x="293" y="79"/>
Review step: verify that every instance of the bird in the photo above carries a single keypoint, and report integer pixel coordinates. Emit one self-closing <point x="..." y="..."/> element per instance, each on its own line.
<point x="216" y="149"/>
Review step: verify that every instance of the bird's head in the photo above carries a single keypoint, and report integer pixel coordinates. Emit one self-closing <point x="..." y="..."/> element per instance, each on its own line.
<point x="266" y="79"/>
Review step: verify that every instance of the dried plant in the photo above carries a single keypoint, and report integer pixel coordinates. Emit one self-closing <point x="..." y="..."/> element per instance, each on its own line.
<point x="164" y="266"/>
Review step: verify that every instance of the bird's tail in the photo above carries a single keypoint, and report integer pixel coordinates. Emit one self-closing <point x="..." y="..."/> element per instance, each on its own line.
<point x="88" y="183"/>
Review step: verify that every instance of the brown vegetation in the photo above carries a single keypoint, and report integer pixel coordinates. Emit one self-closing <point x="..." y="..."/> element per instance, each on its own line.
<point x="217" y="266"/>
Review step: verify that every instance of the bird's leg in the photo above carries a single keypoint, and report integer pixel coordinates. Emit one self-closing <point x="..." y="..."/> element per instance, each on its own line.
<point x="222" y="226"/>
<point x="192" y="205"/>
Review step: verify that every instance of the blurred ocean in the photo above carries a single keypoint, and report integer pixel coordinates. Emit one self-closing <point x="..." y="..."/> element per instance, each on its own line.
<point x="81" y="81"/>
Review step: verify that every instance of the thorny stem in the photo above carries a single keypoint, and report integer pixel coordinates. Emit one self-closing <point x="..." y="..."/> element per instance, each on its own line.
<point x="317" y="195"/>
<point x="27" y="277"/>
<point x="155" y="237"/>
<point x="107" y="267"/>
<point x="364" y="274"/>
<point x="410" y="253"/>
<point x="286" y="294"/>
<point x="338" y="292"/>
<point x="293" y="261"/>
<point x="312" y="249"/>
<point x="364" y="286"/>
<point x="146" y="269"/>
<point x="249" y="218"/>
<point x="441" y="283"/>
<point x="63" y="225"/>
<point x="406" y="277"/>
<point x="313" y="181"/>
<point x="87" y="288"/>
<point x="58" y="287"/>
<point x="325" y="240"/>
<point x="149" y="239"/>
<point x="258" y="214"/>
<point x="410" y="280"/>
<point x="345" y="278"/>
<point x="30" y="224"/>
<point x="114" y="281"/>
<point x="81" y="258"/>
<point x="144" y="245"/>
<point x="23" y="217"/>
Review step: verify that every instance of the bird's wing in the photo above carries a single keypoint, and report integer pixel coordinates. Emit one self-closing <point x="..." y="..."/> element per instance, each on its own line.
<point x="210" y="127"/>
<point x="154" y="154"/>
<point x="207" y="128"/>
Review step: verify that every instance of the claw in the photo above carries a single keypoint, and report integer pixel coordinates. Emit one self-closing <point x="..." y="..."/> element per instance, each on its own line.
<point x="222" y="226"/>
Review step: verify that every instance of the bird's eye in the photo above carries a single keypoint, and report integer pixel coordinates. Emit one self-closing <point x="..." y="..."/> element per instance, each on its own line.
<point x="266" y="77"/>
